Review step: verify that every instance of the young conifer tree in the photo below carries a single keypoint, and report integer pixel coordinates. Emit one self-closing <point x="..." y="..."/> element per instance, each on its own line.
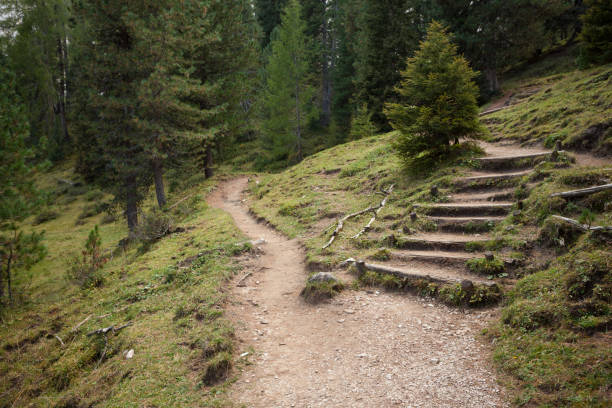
<point x="438" y="97"/>
<point x="18" y="195"/>
<point x="288" y="99"/>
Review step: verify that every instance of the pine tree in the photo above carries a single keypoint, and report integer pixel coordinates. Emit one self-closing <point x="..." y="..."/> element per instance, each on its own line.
<point x="39" y="55"/>
<point x="497" y="34"/>
<point x="268" y="14"/>
<point x="18" y="196"/>
<point x="343" y="74"/>
<point x="596" y="36"/>
<point x="361" y="124"/>
<point x="388" y="34"/>
<point x="438" y="97"/>
<point x="288" y="95"/>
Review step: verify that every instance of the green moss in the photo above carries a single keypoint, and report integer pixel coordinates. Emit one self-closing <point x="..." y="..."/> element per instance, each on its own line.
<point x="482" y="266"/>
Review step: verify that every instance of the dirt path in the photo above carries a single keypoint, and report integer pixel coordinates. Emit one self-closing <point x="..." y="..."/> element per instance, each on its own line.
<point x="363" y="349"/>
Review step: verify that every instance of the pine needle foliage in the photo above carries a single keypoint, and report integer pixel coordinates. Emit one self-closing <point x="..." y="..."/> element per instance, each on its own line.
<point x="288" y="99"/>
<point x="596" y="35"/>
<point x="438" y="98"/>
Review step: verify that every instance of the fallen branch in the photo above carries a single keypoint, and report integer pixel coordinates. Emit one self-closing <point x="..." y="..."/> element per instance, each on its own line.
<point x="362" y="267"/>
<point x="180" y="201"/>
<point x="342" y="220"/>
<point x="583" y="192"/>
<point x="583" y="227"/>
<point x="367" y="227"/>
<point x="341" y="224"/>
<point x="112" y="328"/>
<point x="240" y="284"/>
<point x="76" y="328"/>
<point x="59" y="339"/>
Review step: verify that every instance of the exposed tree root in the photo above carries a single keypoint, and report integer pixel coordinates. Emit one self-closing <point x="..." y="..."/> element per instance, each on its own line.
<point x="374" y="209"/>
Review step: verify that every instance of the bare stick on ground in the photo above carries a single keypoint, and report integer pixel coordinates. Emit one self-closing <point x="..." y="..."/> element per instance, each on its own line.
<point x="367" y="227"/>
<point x="342" y="220"/>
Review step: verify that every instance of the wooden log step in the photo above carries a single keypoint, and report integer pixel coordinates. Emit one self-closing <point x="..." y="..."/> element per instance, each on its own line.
<point x="513" y="162"/>
<point x="487" y="196"/>
<point x="489" y="182"/>
<point x="412" y="275"/>
<point x="435" y="257"/>
<point x="467" y="209"/>
<point x="423" y="243"/>
<point x="466" y="224"/>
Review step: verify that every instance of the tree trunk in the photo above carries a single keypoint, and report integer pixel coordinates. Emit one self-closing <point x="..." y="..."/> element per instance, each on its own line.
<point x="326" y="97"/>
<point x="158" y="175"/>
<point x="131" y="210"/>
<point x="298" y="130"/>
<point x="208" y="162"/>
<point x="492" y="80"/>
<point x="62" y="92"/>
<point x="8" y="272"/>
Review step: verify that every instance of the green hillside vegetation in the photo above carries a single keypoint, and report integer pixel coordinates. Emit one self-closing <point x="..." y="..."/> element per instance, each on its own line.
<point x="172" y="296"/>
<point x="573" y="108"/>
<point x="552" y="340"/>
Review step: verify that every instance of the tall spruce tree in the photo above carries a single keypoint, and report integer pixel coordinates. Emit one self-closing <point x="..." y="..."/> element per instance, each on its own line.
<point x="596" y="36"/>
<point x="438" y="98"/>
<point x="389" y="31"/>
<point x="288" y="98"/>
<point x="268" y="14"/>
<point x="18" y="196"/>
<point x="498" y="33"/>
<point x="39" y="54"/>
<point x="343" y="73"/>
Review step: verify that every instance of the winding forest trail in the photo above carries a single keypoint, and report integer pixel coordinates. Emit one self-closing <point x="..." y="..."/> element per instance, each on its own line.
<point x="362" y="349"/>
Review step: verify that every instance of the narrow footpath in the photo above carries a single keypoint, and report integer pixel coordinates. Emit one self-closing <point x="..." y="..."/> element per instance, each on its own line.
<point x="362" y="349"/>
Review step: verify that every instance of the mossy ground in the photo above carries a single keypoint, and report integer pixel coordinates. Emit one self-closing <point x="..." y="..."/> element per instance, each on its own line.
<point x="182" y="343"/>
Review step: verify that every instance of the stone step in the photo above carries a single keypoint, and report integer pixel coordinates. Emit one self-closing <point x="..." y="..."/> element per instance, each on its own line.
<point x="468" y="209"/>
<point x="466" y="224"/>
<point x="516" y="162"/>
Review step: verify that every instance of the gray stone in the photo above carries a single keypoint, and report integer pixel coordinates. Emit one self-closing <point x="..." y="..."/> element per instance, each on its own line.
<point x="323" y="277"/>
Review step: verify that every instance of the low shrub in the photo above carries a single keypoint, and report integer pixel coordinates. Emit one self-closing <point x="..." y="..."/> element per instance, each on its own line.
<point x="84" y="269"/>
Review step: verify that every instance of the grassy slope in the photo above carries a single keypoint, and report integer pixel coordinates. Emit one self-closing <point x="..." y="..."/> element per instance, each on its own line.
<point x="178" y="330"/>
<point x="558" y="107"/>
<point x="553" y="342"/>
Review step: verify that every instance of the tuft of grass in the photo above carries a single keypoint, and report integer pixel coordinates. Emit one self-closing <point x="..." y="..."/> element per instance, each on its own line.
<point x="483" y="266"/>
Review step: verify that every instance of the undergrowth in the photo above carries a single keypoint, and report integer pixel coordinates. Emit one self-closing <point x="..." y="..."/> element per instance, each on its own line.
<point x="170" y="292"/>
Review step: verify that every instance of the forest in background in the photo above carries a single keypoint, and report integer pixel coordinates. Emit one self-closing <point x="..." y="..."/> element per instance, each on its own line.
<point x="134" y="90"/>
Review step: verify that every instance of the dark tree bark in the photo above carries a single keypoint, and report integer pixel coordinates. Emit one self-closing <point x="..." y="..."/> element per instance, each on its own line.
<point x="131" y="210"/>
<point x="208" y="162"/>
<point x="158" y="175"/>
<point x="492" y="80"/>
<point x="326" y="99"/>
<point x="62" y="52"/>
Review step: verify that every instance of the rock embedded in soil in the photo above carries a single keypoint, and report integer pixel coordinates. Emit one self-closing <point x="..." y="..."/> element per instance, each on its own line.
<point x="323" y="277"/>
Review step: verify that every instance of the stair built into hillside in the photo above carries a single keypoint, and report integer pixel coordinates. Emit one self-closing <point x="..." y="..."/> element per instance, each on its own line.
<point x="458" y="251"/>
